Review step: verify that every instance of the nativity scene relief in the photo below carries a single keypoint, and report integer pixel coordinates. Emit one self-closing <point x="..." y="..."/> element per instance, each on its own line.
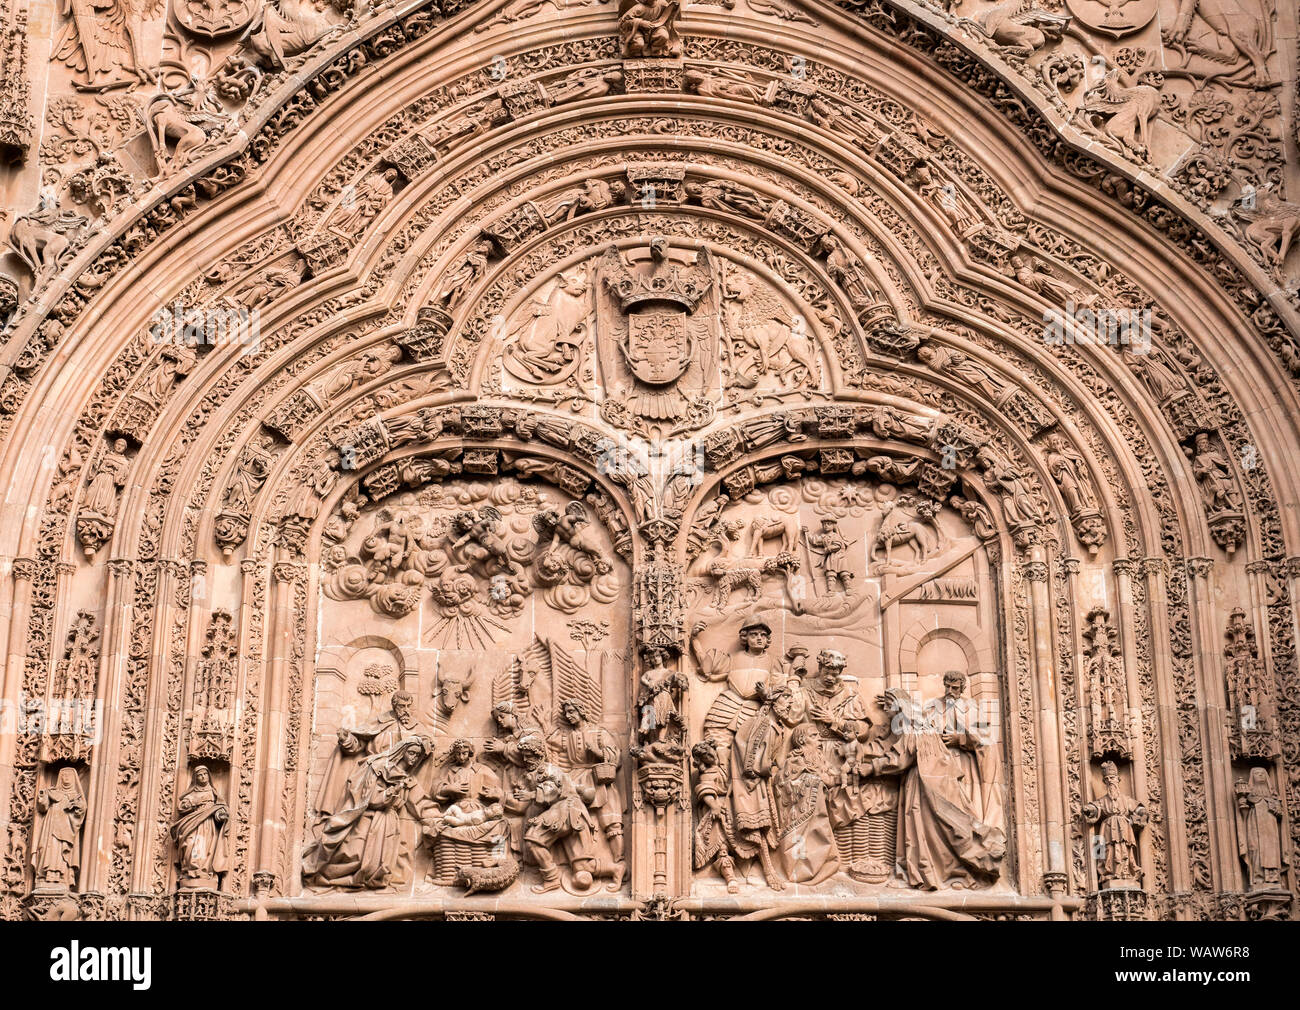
<point x="638" y="459"/>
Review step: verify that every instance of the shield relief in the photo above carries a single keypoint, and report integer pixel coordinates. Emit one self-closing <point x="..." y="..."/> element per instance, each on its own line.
<point x="658" y="345"/>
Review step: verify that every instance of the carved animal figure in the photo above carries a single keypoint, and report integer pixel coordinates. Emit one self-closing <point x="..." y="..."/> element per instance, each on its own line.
<point x="453" y="689"/>
<point x="476" y="879"/>
<point x="773" y="527"/>
<point x="168" y="120"/>
<point x="898" y="528"/>
<point x="733" y="571"/>
<point x="1020" y="28"/>
<point x="40" y="240"/>
<point x="1128" y="110"/>
<point x="1274" y="225"/>
<point x="1246" y="34"/>
<point x="758" y="320"/>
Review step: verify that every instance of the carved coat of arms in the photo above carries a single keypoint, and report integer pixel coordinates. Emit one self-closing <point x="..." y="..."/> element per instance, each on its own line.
<point x="658" y="347"/>
<point x="656" y="329"/>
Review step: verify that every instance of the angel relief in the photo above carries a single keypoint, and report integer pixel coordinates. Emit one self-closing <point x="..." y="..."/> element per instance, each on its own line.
<point x="103" y="42"/>
<point x="478" y="553"/>
<point x="845" y="727"/>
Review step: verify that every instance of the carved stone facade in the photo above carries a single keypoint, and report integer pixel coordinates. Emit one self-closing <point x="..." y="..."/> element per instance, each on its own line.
<point x="593" y="459"/>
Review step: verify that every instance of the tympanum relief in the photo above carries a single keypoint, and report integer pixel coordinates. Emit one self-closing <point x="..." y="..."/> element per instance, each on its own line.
<point x="659" y="337"/>
<point x="828" y="751"/>
<point x="474" y="728"/>
<point x="674" y="472"/>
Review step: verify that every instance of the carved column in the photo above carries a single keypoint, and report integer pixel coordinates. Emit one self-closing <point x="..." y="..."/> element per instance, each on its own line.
<point x="1049" y="741"/>
<point x="170" y="575"/>
<point x="20" y="608"/>
<point x="16" y="125"/>
<point x="270" y="820"/>
<point x="1286" y="685"/>
<point x="244" y="778"/>
<point x="1180" y="876"/>
<point x="1220" y="812"/>
<point x="99" y="834"/>
<point x="1133" y="692"/>
<point x="1273" y="587"/>
<point x="1076" y="764"/>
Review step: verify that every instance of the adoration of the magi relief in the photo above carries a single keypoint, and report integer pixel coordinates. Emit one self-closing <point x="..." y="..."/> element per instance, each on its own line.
<point x="642" y="459"/>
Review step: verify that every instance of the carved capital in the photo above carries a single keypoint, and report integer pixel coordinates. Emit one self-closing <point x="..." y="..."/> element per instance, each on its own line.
<point x="266" y="884"/>
<point x="1034" y="571"/>
<point x="287" y="571"/>
<point x="1055" y="883"/>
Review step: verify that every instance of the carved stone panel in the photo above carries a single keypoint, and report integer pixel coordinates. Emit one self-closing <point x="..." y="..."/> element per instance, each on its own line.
<point x="472" y="669"/>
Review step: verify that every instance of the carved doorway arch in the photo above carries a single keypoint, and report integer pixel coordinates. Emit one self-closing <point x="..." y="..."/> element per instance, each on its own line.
<point x="718" y="442"/>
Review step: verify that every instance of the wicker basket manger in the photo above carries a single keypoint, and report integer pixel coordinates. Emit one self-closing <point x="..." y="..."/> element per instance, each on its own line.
<point x="449" y="854"/>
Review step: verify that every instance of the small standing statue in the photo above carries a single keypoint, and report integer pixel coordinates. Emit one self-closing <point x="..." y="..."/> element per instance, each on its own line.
<point x="1117" y="817"/>
<point x="831" y="544"/>
<point x="661" y="685"/>
<point x="1214" y="475"/>
<point x="714" y="842"/>
<point x="754" y="755"/>
<point x="98" y="511"/>
<point x="1259" y="831"/>
<point x="201" y="833"/>
<point x="56" y="857"/>
<point x="592" y="756"/>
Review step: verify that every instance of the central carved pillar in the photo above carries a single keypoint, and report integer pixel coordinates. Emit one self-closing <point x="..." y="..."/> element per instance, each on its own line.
<point x="661" y="821"/>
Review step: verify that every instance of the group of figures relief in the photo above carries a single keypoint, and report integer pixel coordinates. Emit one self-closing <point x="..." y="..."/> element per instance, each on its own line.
<point x="478" y="557"/>
<point x="548" y="799"/>
<point x="795" y="773"/>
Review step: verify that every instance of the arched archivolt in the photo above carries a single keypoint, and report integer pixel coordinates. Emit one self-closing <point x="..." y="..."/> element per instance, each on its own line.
<point x="1052" y="419"/>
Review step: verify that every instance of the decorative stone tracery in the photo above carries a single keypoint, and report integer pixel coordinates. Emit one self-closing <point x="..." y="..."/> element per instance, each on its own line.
<point x="575" y="373"/>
